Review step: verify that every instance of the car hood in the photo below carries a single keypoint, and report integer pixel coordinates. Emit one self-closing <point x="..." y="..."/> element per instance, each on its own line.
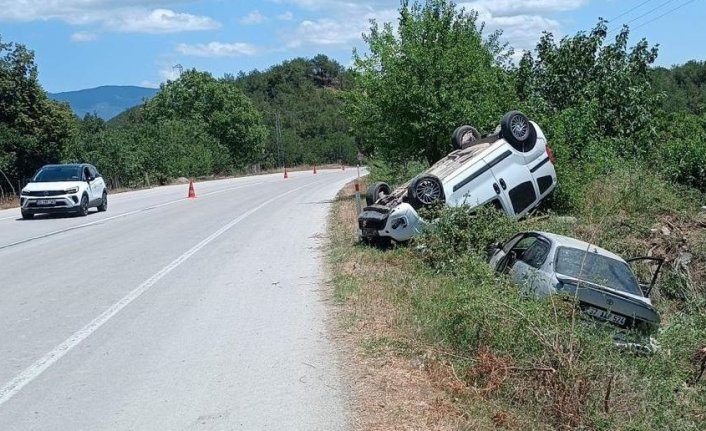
<point x="59" y="185"/>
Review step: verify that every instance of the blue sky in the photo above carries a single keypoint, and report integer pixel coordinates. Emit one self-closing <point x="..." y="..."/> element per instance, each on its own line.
<point x="87" y="43"/>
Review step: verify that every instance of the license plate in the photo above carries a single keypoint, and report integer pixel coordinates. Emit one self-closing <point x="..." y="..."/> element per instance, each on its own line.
<point x="44" y="202"/>
<point x="605" y="315"/>
<point x="368" y="232"/>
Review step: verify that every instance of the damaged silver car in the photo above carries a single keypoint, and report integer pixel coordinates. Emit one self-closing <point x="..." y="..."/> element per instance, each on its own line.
<point x="603" y="284"/>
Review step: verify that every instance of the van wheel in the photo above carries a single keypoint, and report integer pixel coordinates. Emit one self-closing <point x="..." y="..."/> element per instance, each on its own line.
<point x="517" y="130"/>
<point x="425" y="190"/>
<point x="464" y="137"/>
<point x="374" y="192"/>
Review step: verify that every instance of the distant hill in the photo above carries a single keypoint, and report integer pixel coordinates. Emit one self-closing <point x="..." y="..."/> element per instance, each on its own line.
<point x="107" y="102"/>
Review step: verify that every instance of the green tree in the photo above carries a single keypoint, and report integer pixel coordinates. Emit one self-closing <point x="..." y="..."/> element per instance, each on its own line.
<point x="436" y="72"/>
<point x="220" y="106"/>
<point x="306" y="95"/>
<point x="40" y="128"/>
<point x="604" y="84"/>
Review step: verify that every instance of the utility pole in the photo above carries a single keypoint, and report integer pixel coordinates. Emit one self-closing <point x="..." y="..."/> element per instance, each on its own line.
<point x="180" y="68"/>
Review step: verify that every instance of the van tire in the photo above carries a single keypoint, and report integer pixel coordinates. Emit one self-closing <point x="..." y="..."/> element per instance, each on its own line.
<point x="518" y="131"/>
<point x="374" y="190"/>
<point x="464" y="137"/>
<point x="425" y="191"/>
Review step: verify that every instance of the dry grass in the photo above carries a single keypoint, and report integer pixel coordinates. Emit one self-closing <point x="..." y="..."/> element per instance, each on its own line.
<point x="391" y="391"/>
<point x="8" y="203"/>
<point x="397" y="381"/>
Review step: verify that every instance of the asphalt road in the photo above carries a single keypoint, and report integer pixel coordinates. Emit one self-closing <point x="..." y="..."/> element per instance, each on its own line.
<point x="172" y="314"/>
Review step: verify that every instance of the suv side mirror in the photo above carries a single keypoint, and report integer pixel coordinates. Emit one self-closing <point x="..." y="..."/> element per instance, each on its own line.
<point x="89" y="178"/>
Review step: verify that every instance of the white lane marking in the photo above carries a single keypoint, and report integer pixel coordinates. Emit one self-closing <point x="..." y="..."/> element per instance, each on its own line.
<point x="36" y="369"/>
<point x="103" y="220"/>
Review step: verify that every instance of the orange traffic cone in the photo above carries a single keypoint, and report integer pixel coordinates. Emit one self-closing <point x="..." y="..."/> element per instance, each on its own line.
<point x="192" y="192"/>
<point x="285" y="174"/>
<point x="314" y="169"/>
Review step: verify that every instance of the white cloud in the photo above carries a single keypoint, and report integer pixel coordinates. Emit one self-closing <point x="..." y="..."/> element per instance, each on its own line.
<point x="169" y="73"/>
<point x="336" y="31"/>
<point x="149" y="84"/>
<point x="138" y="16"/>
<point x="84" y="36"/>
<point x="341" y="22"/>
<point x="217" y="49"/>
<point x="514" y="7"/>
<point x="287" y="16"/>
<point x="254" y="17"/>
<point x="160" y="21"/>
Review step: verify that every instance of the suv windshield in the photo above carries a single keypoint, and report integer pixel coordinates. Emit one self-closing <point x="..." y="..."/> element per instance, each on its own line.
<point x="57" y="173"/>
<point x="596" y="269"/>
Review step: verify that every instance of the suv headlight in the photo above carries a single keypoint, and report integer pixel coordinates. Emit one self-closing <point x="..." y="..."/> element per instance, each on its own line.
<point x="72" y="190"/>
<point x="25" y="193"/>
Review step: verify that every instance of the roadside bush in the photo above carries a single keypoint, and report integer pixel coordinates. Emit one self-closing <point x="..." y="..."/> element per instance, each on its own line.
<point x="395" y="174"/>
<point x="456" y="233"/>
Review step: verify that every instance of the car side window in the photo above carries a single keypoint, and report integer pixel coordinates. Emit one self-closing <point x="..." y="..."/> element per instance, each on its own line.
<point x="94" y="172"/>
<point x="86" y="174"/>
<point x="536" y="254"/>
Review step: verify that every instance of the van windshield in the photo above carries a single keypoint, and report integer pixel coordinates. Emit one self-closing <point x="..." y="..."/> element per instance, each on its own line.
<point x="50" y="174"/>
<point x="596" y="269"/>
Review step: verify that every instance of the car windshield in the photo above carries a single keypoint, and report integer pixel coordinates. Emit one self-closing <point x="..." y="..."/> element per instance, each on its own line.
<point x="58" y="173"/>
<point x="597" y="269"/>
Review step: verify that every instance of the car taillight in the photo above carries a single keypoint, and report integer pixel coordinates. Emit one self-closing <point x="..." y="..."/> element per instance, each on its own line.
<point x="550" y="154"/>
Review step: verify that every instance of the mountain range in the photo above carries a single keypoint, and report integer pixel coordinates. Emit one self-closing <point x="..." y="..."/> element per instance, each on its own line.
<point x="107" y="101"/>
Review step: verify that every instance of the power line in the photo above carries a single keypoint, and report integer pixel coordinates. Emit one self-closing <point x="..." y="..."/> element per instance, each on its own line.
<point x="664" y="14"/>
<point x="629" y="10"/>
<point x="661" y="5"/>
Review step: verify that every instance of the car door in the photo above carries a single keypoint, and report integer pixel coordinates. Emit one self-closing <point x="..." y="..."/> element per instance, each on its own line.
<point x="98" y="182"/>
<point x="525" y="262"/>
<point x="515" y="185"/>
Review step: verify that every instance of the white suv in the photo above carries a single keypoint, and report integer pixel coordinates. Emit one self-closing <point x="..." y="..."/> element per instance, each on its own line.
<point x="64" y="189"/>
<point x="511" y="170"/>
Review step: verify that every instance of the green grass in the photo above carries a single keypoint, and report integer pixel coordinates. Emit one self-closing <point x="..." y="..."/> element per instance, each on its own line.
<point x="536" y="363"/>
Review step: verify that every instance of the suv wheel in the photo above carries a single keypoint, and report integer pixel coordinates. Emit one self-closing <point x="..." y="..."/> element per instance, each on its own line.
<point x="374" y="192"/>
<point x="425" y="190"/>
<point x="516" y="129"/>
<point x="83" y="210"/>
<point x="104" y="203"/>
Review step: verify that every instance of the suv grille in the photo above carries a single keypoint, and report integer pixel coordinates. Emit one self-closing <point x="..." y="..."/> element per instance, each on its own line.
<point x="48" y="193"/>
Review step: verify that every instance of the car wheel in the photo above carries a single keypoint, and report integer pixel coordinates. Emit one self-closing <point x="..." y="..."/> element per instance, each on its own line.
<point x="27" y="216"/>
<point x="374" y="192"/>
<point x="464" y="137"/>
<point x="425" y="190"/>
<point x="104" y="203"/>
<point x="517" y="130"/>
<point x="83" y="209"/>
